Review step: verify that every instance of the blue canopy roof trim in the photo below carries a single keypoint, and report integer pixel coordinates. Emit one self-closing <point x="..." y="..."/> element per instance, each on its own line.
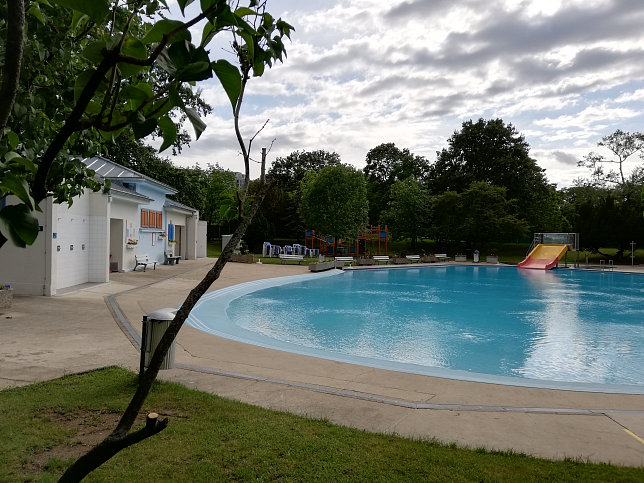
<point x="180" y="207"/>
<point x="123" y="192"/>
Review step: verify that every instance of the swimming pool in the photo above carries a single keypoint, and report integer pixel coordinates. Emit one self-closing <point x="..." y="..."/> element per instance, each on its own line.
<point x="565" y="328"/>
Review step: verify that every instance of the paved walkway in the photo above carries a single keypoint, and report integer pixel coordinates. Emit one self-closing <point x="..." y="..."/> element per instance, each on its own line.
<point x="43" y="338"/>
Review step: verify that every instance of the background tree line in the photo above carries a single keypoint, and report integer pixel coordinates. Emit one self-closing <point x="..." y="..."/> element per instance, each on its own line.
<point x="482" y="188"/>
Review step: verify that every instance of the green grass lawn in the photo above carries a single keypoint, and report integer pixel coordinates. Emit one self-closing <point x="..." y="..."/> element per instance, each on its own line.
<point x="45" y="426"/>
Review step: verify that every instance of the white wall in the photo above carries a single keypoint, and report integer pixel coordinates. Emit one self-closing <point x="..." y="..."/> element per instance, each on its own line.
<point x="202" y="239"/>
<point x="25" y="269"/>
<point x="99" y="246"/>
<point x="72" y="243"/>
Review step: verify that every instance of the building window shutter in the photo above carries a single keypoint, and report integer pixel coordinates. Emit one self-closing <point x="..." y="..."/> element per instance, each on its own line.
<point x="145" y="218"/>
<point x="159" y="219"/>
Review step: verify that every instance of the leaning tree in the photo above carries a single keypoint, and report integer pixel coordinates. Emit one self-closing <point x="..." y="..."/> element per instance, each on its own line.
<point x="78" y="73"/>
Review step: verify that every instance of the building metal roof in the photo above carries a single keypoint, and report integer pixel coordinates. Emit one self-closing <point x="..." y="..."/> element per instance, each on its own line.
<point x="110" y="170"/>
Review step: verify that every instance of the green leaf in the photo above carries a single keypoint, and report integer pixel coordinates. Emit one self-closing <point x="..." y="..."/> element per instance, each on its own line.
<point x="94" y="51"/>
<point x="135" y="96"/>
<point x="258" y="66"/>
<point x="165" y="62"/>
<point x="206" y="4"/>
<point x="250" y="43"/>
<point x="207" y="34"/>
<point x="142" y="129"/>
<point x="230" y="79"/>
<point x="35" y="11"/>
<point x="15" y="159"/>
<point x="11" y="155"/>
<point x="183" y="4"/>
<point x="194" y="72"/>
<point x="179" y="54"/>
<point x="17" y="185"/>
<point x="19" y="110"/>
<point x="77" y="18"/>
<point x="81" y="81"/>
<point x="96" y="9"/>
<point x="159" y="107"/>
<point x="13" y="139"/>
<point x="163" y="27"/>
<point x="169" y="131"/>
<point x="133" y="48"/>
<point x="243" y="11"/>
<point x="18" y="224"/>
<point x="175" y="98"/>
<point x="196" y="121"/>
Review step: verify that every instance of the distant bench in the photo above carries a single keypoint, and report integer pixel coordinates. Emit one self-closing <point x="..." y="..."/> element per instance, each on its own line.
<point x="413" y="258"/>
<point x="442" y="257"/>
<point x="344" y="259"/>
<point x="144" y="261"/>
<point x="381" y="258"/>
<point x="285" y="258"/>
<point x="171" y="259"/>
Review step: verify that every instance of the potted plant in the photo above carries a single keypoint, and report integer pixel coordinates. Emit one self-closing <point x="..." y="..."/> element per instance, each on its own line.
<point x="162" y="235"/>
<point x="6" y="296"/>
<point x="131" y="243"/>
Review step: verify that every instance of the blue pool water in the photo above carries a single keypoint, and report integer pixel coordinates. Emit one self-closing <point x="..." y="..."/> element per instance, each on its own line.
<point x="564" y="325"/>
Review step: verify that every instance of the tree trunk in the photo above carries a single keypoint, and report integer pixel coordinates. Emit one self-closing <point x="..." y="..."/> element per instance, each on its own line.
<point x="13" y="59"/>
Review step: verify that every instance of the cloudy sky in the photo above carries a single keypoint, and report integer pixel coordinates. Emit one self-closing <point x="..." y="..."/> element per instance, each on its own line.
<point x="362" y="72"/>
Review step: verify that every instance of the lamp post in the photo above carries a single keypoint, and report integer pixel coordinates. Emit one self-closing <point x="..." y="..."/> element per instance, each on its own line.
<point x="632" y="253"/>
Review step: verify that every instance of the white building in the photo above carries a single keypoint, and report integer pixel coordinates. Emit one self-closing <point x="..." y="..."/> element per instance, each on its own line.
<point x="82" y="243"/>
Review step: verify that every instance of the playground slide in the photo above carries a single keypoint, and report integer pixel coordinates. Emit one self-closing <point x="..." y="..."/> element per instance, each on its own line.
<point x="544" y="257"/>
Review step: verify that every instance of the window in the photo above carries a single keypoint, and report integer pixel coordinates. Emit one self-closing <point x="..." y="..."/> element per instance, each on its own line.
<point x="151" y="219"/>
<point x="145" y="218"/>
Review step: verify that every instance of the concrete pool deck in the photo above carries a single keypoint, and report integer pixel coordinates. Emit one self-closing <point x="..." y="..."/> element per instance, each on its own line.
<point x="43" y="338"/>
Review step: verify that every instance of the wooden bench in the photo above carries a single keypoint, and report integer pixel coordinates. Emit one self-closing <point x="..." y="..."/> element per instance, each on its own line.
<point x="413" y="258"/>
<point x="144" y="261"/>
<point x="171" y="259"/>
<point x="442" y="257"/>
<point x="284" y="258"/>
<point x="344" y="259"/>
<point x="381" y="258"/>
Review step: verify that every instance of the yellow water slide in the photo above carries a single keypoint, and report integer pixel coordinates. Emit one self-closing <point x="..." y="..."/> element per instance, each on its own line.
<point x="544" y="257"/>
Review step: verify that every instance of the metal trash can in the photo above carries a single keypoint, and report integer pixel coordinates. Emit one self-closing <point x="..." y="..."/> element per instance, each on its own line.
<point x="477" y="256"/>
<point x="154" y="326"/>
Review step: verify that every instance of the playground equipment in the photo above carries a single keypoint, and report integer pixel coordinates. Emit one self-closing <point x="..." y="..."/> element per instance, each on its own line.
<point x="547" y="249"/>
<point x="372" y="240"/>
<point x="269" y="250"/>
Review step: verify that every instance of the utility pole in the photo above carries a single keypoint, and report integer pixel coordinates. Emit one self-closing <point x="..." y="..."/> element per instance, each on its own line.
<point x="263" y="178"/>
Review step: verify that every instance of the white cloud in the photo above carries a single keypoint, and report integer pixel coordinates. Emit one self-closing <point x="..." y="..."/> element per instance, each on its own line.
<point x="360" y="73"/>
